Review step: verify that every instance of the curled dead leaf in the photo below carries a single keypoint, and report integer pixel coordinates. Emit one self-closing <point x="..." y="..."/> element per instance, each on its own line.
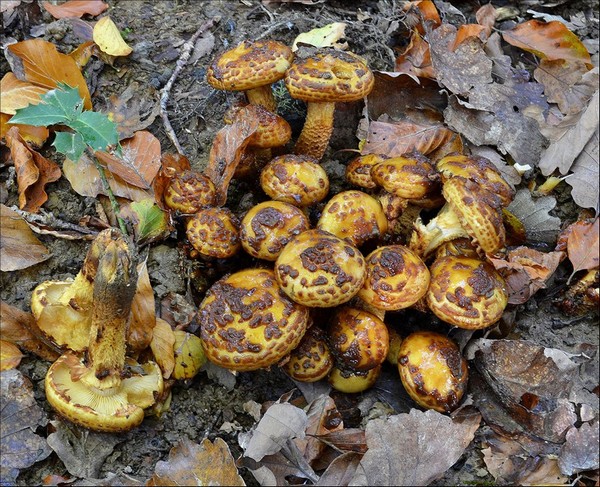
<point x="161" y="345"/>
<point x="75" y="8"/>
<point x="108" y="38"/>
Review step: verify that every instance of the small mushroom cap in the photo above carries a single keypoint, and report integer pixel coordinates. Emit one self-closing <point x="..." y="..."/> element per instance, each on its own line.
<point x="248" y="323"/>
<point x="214" y="232"/>
<point x="353" y="382"/>
<point x="353" y="216"/>
<point x="250" y="65"/>
<point x="111" y="410"/>
<point x="328" y="75"/>
<point x="190" y="191"/>
<point x="269" y="226"/>
<point x="396" y="278"/>
<point x="411" y="177"/>
<point x="311" y="360"/>
<point x="358" y="170"/>
<point x="318" y="269"/>
<point x="466" y="292"/>
<point x="394" y="348"/>
<point x="432" y="370"/>
<point x="479" y="213"/>
<point x="457" y="247"/>
<point x="358" y="340"/>
<point x="272" y="131"/>
<point x="479" y="170"/>
<point x="299" y="180"/>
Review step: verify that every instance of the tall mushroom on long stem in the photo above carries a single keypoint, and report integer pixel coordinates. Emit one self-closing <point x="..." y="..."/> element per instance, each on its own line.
<point x="322" y="77"/>
<point x="106" y="392"/>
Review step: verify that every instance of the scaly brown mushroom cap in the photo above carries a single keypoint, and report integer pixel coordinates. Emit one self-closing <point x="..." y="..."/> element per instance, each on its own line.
<point x="298" y="180"/>
<point x="322" y="77"/>
<point x="410" y="177"/>
<point x="251" y="67"/>
<point x="353" y="382"/>
<point x="353" y="216"/>
<point x="311" y="360"/>
<point x="396" y="278"/>
<point x="318" y="269"/>
<point x="357" y="339"/>
<point x="189" y="192"/>
<point x="432" y="370"/>
<point x="358" y="170"/>
<point x="248" y="323"/>
<point x="214" y="232"/>
<point x="466" y="292"/>
<point x="269" y="226"/>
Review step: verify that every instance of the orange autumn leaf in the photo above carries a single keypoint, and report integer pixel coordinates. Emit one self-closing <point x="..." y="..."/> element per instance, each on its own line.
<point x="486" y="16"/>
<point x="466" y="31"/>
<point x="143" y="314"/>
<point x="75" y="8"/>
<point x="139" y="162"/>
<point x="171" y="164"/>
<point x="163" y="340"/>
<point x="582" y="244"/>
<point x="416" y="59"/>
<point x="83" y="53"/>
<point x="10" y="355"/>
<point x="43" y="65"/>
<point x="15" y="94"/>
<point x="36" y="136"/>
<point x="551" y="40"/>
<point x="426" y="13"/>
<point x="33" y="172"/>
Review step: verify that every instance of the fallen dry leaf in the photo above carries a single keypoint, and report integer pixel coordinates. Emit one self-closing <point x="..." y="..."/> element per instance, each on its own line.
<point x="10" y="355"/>
<point x="582" y="244"/>
<point x="414" y="448"/>
<point x="192" y="464"/>
<point x="19" y="247"/>
<point x="33" y="172"/>
<point x="535" y="216"/>
<point x="75" y="8"/>
<point x="466" y="31"/>
<point x="547" y="40"/>
<point x="38" y="62"/>
<point x="326" y="36"/>
<point x="163" y="340"/>
<point x="107" y="36"/>
<point x="36" y="136"/>
<point x="143" y="314"/>
<point x="415" y="60"/>
<point x="421" y="14"/>
<point x="83" y="53"/>
<point x="585" y="175"/>
<point x="580" y="450"/>
<point x="15" y="93"/>
<point x="341" y="470"/>
<point x="171" y="164"/>
<point x="526" y="271"/>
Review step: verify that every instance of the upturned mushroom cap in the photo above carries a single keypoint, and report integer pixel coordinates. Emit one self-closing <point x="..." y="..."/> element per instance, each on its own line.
<point x="357" y="339"/>
<point x="352" y="382"/>
<point x="190" y="191"/>
<point x="457" y="247"/>
<point x="358" y="170"/>
<point x="466" y="292"/>
<point x="311" y="360"/>
<point x="432" y="370"/>
<point x="248" y="323"/>
<point x="353" y="216"/>
<point x="113" y="410"/>
<point x="298" y="180"/>
<point x="269" y="226"/>
<point x="411" y="177"/>
<point x="214" y="232"/>
<point x="318" y="269"/>
<point x="396" y="278"/>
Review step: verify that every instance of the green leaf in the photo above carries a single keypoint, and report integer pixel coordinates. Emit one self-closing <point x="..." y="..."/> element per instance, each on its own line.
<point x="56" y="106"/>
<point x="71" y="145"/>
<point x="152" y="221"/>
<point x="97" y="129"/>
<point x="38" y="115"/>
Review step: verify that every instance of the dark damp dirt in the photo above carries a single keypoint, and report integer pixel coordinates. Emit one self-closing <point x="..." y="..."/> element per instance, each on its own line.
<point x="157" y="30"/>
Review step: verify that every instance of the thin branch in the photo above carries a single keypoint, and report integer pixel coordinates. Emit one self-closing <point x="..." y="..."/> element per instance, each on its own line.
<point x="181" y="62"/>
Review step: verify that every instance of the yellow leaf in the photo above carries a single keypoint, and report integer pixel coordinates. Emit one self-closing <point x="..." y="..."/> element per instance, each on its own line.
<point x="323" y="37"/>
<point x="189" y="355"/>
<point x="162" y="346"/>
<point x="10" y="355"/>
<point x="109" y="40"/>
<point x="15" y="93"/>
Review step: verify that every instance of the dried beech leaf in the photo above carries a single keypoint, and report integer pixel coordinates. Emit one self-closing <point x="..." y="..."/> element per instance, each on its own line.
<point x="108" y="38"/>
<point x="163" y="340"/>
<point x="540" y="226"/>
<point x="342" y="470"/>
<point x="19" y="247"/>
<point x="416" y="58"/>
<point x="143" y="314"/>
<point x="582" y="244"/>
<point x="36" y="136"/>
<point x="414" y="448"/>
<point x="192" y="464"/>
<point x="75" y="8"/>
<point x="580" y="450"/>
<point x="15" y="93"/>
<point x="585" y="176"/>
<point x="466" y="31"/>
<point x="39" y="62"/>
<point x="10" y="355"/>
<point x="326" y="36"/>
<point x="33" y="172"/>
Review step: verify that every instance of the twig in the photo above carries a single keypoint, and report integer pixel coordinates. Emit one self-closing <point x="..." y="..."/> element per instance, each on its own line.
<point x="275" y="27"/>
<point x="181" y="62"/>
<point x="49" y="220"/>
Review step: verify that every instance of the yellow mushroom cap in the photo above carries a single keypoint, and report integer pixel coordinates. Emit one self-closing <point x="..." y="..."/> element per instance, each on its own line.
<point x="189" y="191"/>
<point x="214" y="232"/>
<point x="113" y="410"/>
<point x="466" y="292"/>
<point x="456" y="247"/>
<point x="411" y="177"/>
<point x="311" y="360"/>
<point x="352" y="382"/>
<point x="358" y="340"/>
<point x="298" y="180"/>
<point x="269" y="226"/>
<point x="394" y="348"/>
<point x="272" y="130"/>
<point x="396" y="278"/>
<point x="358" y="170"/>
<point x="249" y="65"/>
<point x="479" y="212"/>
<point x="248" y="323"/>
<point x="188" y="354"/>
<point x="354" y="216"/>
<point x="432" y="370"/>
<point x="319" y="269"/>
<point x="329" y="75"/>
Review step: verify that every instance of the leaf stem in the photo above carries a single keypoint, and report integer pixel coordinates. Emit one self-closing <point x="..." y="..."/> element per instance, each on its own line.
<point x="111" y="196"/>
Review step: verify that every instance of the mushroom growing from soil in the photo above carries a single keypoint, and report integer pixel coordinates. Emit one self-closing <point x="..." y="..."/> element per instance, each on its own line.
<point x="352" y="382"/>
<point x="214" y="232"/>
<point x="189" y="192"/>
<point x="105" y="391"/>
<point x="311" y="360"/>
<point x="248" y="323"/>
<point x="321" y="77"/>
<point x="251" y="67"/>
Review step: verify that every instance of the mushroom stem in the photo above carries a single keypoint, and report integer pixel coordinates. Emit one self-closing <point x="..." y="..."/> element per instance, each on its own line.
<point x="262" y="95"/>
<point x="114" y="288"/>
<point x="317" y="130"/>
<point x="444" y="227"/>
